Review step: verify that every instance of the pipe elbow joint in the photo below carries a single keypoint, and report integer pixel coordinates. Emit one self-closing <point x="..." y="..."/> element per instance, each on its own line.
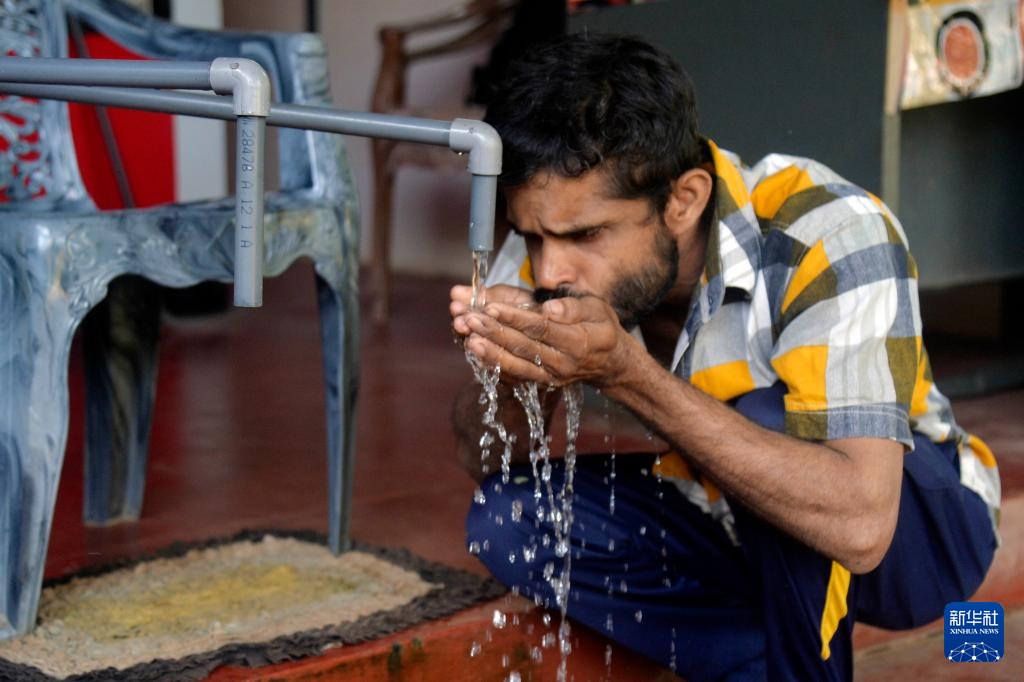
<point x="482" y="142"/>
<point x="247" y="83"/>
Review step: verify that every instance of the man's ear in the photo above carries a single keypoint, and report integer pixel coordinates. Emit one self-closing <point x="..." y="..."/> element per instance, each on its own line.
<point x="688" y="197"/>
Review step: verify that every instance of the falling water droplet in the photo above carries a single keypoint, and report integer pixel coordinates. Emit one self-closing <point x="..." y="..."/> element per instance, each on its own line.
<point x="639" y="615"/>
<point x="514" y="677"/>
<point x="475" y="650"/>
<point x="511" y="557"/>
<point x="479" y="497"/>
<point x="474" y="547"/>
<point x="536" y="655"/>
<point x="623" y="587"/>
<point x="517" y="510"/>
<point x="609" y="625"/>
<point x="643" y="530"/>
<point x="547" y="620"/>
<point x="548" y="640"/>
<point x="608" y="655"/>
<point x="498" y="619"/>
<point x="504" y="661"/>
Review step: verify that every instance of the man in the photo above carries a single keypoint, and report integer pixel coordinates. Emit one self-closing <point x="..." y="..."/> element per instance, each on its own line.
<point x="764" y="323"/>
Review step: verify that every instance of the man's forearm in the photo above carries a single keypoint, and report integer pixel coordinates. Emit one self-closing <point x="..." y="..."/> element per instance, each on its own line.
<point x="840" y="505"/>
<point x="467" y="421"/>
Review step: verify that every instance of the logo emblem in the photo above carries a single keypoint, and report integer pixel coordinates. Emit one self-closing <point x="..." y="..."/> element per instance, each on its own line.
<point x="974" y="632"/>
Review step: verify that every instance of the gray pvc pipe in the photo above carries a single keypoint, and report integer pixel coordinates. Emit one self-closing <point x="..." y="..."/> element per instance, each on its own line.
<point x="402" y="128"/>
<point x="106" y="72"/>
<point x="482" y="199"/>
<point x="249" y="159"/>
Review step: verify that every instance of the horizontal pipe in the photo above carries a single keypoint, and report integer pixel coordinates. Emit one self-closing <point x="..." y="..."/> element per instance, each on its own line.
<point x="131" y="73"/>
<point x="325" y="119"/>
<point x="400" y="128"/>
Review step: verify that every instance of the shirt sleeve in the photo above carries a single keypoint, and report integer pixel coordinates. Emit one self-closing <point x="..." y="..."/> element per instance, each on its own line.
<point x="849" y="334"/>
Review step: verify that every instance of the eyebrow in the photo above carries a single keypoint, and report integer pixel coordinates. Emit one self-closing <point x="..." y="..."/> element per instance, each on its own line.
<point x="573" y="231"/>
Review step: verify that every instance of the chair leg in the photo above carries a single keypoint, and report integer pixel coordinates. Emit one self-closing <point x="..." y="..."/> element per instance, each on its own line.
<point x="33" y="433"/>
<point x="121" y="337"/>
<point x="383" y="188"/>
<point x="339" y="336"/>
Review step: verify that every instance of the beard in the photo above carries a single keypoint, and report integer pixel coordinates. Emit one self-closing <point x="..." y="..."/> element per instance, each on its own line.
<point x="635" y="295"/>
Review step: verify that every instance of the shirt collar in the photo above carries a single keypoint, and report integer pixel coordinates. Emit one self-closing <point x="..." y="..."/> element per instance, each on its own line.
<point x="733" y="252"/>
<point x="734" y="239"/>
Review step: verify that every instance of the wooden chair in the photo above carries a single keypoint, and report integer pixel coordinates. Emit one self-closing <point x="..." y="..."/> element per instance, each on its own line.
<point x="475" y="22"/>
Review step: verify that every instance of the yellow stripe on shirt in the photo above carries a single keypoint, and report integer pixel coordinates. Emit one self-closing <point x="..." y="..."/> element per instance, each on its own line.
<point x="526" y="272"/>
<point x="725" y="381"/>
<point x="772" y="192"/>
<point x="804" y="370"/>
<point x="835" y="606"/>
<point x="728" y="174"/>
<point x="814" y="262"/>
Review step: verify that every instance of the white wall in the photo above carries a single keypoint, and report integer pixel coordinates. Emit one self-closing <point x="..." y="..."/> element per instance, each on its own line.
<point x="431" y="210"/>
<point x="200" y="145"/>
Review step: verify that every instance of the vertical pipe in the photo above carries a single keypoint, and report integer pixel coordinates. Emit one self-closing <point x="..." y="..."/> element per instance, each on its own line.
<point x="249" y="157"/>
<point x="483" y="195"/>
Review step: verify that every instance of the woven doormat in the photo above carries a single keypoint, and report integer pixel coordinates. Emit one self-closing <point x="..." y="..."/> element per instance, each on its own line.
<point x="258" y="598"/>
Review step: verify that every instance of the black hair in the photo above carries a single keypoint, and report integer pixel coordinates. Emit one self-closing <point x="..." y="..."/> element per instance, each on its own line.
<point x="584" y="101"/>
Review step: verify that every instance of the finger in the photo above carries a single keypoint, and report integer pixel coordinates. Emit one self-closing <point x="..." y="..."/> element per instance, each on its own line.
<point x="460" y="327"/>
<point x="512" y="366"/>
<point x="456" y="308"/>
<point x="509" y="338"/>
<point x="529" y="321"/>
<point x="571" y="310"/>
<point x="568" y="340"/>
<point x="555" y="361"/>
<point x="461" y="293"/>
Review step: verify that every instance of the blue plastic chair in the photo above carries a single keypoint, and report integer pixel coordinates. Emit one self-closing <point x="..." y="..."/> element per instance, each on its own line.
<point x="59" y="258"/>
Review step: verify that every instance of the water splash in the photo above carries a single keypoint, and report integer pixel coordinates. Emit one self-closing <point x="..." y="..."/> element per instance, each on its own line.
<point x="498" y="620"/>
<point x="558" y="504"/>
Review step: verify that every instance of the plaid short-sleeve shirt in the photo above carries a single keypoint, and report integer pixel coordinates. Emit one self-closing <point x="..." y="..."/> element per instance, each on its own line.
<point x="807" y="280"/>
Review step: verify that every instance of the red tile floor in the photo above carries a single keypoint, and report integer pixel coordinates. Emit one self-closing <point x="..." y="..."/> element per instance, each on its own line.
<point x="238" y="442"/>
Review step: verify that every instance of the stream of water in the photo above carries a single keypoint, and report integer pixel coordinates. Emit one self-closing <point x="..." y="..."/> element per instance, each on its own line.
<point x="555" y="505"/>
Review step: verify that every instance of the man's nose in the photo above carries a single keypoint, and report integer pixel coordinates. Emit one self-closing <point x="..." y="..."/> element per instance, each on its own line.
<point x="553" y="268"/>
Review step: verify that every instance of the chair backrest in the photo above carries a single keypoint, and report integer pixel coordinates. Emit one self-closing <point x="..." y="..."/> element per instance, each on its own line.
<point x="471" y="23"/>
<point x="38" y="168"/>
<point x="296" y="64"/>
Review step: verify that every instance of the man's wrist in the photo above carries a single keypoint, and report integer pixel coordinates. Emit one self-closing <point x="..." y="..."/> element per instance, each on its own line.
<point x="629" y="366"/>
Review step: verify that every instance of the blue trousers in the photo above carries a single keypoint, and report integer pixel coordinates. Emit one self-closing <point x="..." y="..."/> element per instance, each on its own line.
<point x="661" y="577"/>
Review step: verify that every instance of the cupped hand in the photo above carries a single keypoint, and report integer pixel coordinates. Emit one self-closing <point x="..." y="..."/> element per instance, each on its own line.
<point x="563" y="341"/>
<point x="501" y="293"/>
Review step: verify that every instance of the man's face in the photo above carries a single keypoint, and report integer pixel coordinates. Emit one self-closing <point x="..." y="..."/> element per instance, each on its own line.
<point x="581" y="240"/>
